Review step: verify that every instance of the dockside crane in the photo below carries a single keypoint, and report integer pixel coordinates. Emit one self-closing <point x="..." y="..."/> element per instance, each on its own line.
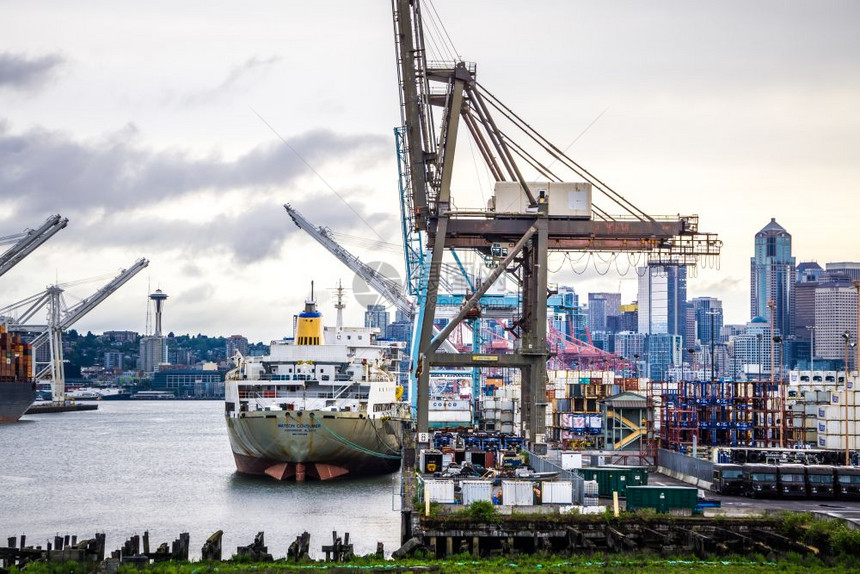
<point x="60" y="318"/>
<point x="555" y="214"/>
<point x="27" y="241"/>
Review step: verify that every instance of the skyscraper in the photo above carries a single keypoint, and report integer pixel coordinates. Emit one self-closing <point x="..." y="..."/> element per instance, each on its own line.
<point x="835" y="315"/>
<point x="601" y="306"/>
<point x="663" y="299"/>
<point x="772" y="276"/>
<point x="709" y="318"/>
<point x="377" y="316"/>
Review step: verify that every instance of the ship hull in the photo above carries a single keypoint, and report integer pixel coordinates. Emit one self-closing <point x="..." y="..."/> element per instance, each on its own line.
<point x="320" y="445"/>
<point x="15" y="398"/>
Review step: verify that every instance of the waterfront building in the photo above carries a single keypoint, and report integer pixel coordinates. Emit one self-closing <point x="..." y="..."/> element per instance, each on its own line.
<point x="190" y="383"/>
<point x="772" y="278"/>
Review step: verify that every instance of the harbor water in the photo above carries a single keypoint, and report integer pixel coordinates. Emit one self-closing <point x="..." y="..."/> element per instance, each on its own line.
<point x="166" y="467"/>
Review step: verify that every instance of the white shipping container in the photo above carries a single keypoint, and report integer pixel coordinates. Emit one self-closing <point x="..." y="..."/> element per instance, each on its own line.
<point x="517" y="493"/>
<point x="506" y="428"/>
<point x="560" y="492"/>
<point x="447" y="459"/>
<point x="571" y="199"/>
<point x="440" y="490"/>
<point x="571" y="460"/>
<point x="474" y="490"/>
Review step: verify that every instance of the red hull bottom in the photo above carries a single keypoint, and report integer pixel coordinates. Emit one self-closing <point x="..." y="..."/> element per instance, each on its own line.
<point x="302" y="471"/>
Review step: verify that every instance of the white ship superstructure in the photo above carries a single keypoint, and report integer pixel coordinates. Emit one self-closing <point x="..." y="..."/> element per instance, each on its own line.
<point x="320" y="405"/>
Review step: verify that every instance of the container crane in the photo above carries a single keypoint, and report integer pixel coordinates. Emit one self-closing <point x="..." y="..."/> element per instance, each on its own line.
<point x="389" y="289"/>
<point x="61" y="318"/>
<point x="538" y="224"/>
<point x="27" y="241"/>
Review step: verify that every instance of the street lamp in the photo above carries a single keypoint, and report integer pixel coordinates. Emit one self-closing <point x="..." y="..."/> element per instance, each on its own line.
<point x="777" y="339"/>
<point x="692" y="352"/>
<point x="847" y="337"/>
<point x="712" y="312"/>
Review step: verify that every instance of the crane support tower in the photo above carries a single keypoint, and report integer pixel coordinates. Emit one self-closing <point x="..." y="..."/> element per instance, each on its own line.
<point x="60" y="318"/>
<point x="527" y="219"/>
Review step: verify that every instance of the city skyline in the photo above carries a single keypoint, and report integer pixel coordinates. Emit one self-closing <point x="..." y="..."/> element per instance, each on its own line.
<point x="153" y="144"/>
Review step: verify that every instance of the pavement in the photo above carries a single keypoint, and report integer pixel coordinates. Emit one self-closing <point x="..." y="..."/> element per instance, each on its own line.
<point x="740" y="505"/>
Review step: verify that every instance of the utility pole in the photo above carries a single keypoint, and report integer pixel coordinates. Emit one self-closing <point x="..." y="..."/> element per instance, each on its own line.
<point x="847" y="337"/>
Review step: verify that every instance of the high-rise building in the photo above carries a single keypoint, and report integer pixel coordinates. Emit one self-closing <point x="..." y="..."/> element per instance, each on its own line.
<point x="664" y="351"/>
<point x="850" y="269"/>
<point x="376" y="316"/>
<point x="663" y="299"/>
<point x="237" y="343"/>
<point x="629" y="320"/>
<point x="835" y="315"/>
<point x="601" y="306"/>
<point x="750" y="351"/>
<point x="772" y="277"/>
<point x="113" y="360"/>
<point x="709" y="319"/>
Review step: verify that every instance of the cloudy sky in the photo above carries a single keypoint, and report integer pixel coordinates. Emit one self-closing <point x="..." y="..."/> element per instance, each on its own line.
<point x="159" y="130"/>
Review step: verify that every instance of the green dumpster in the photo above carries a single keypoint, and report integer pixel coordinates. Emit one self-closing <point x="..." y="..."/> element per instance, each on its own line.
<point x="662" y="498"/>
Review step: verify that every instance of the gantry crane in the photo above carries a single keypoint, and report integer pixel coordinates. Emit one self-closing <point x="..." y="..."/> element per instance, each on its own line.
<point x="28" y="240"/>
<point x="507" y="145"/>
<point x="60" y="318"/>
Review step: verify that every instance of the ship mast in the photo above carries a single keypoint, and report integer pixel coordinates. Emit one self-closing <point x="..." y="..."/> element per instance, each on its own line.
<point x="339" y="305"/>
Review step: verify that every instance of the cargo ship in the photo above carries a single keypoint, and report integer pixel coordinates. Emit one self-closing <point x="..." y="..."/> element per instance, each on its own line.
<point x="17" y="387"/>
<point x="321" y="405"/>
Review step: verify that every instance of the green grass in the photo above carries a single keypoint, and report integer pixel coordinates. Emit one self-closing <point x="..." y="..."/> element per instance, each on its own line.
<point x="467" y="564"/>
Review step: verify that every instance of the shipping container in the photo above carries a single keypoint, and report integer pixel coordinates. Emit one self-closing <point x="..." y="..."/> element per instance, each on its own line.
<point x="616" y="478"/>
<point x="441" y="491"/>
<point x="662" y="498"/>
<point x="474" y="490"/>
<point x="517" y="493"/>
<point x="430" y="461"/>
<point x="571" y="460"/>
<point x="560" y="492"/>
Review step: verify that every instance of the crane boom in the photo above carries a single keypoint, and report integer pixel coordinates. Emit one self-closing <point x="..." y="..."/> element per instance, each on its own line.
<point x="29" y="241"/>
<point x="74" y="314"/>
<point x="383" y="285"/>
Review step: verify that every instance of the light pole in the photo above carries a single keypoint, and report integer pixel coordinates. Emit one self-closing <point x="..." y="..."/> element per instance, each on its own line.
<point x="712" y="312"/>
<point x="847" y="337"/>
<point x="777" y="339"/>
<point x="772" y="306"/>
